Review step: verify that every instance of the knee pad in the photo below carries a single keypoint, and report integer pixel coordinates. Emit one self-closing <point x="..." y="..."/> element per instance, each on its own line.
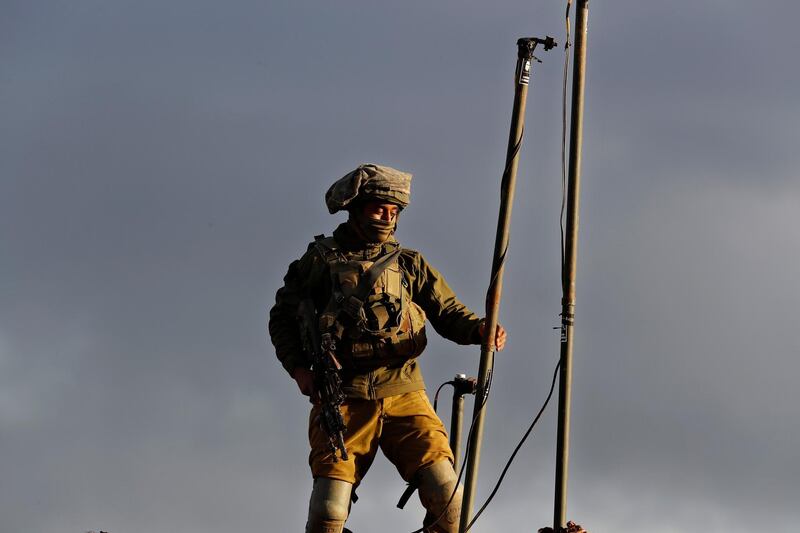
<point x="436" y="486"/>
<point x="329" y="506"/>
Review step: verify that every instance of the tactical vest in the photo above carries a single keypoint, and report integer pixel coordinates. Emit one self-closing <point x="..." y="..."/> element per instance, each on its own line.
<point x="370" y="311"/>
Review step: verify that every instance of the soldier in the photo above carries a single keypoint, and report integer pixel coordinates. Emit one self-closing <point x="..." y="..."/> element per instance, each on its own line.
<point x="378" y="339"/>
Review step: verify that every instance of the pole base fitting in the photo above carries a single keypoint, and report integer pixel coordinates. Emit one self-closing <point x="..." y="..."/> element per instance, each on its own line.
<point x="572" y="527"/>
<point x="465" y="385"/>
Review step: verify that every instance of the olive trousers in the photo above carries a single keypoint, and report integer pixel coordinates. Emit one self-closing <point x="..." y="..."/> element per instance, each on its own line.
<point x="405" y="427"/>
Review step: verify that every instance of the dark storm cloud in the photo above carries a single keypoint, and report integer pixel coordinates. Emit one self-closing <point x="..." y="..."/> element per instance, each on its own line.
<point x="162" y="163"/>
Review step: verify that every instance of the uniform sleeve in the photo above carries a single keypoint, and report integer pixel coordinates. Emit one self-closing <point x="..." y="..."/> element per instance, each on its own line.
<point x="300" y="282"/>
<point x="449" y="317"/>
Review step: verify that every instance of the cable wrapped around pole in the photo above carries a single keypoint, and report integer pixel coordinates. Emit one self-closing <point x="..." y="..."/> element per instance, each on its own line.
<point x="525" y="60"/>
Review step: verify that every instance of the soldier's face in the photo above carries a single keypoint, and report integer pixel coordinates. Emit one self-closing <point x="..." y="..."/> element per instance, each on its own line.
<point x="381" y="211"/>
<point x="376" y="221"/>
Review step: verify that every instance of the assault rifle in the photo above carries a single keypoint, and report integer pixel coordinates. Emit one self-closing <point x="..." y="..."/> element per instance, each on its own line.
<point x="327" y="382"/>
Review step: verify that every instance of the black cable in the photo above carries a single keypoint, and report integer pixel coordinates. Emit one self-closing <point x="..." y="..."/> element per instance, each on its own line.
<point x="436" y="396"/>
<point x="519" y="445"/>
<point x="506" y="176"/>
<point x="567" y="45"/>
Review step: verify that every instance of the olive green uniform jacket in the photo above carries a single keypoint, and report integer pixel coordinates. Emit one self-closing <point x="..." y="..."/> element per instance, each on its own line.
<point x="309" y="277"/>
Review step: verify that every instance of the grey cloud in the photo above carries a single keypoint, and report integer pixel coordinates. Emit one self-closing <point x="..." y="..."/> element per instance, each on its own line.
<point x="162" y="163"/>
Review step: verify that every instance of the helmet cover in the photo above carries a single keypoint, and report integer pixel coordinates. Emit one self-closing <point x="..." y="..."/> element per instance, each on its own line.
<point x="369" y="182"/>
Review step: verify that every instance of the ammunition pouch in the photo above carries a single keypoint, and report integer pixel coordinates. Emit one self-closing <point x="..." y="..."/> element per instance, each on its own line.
<point x="371" y="309"/>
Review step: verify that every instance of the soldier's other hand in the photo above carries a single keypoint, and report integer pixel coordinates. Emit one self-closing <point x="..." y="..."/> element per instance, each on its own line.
<point x="305" y="381"/>
<point x="499" y="335"/>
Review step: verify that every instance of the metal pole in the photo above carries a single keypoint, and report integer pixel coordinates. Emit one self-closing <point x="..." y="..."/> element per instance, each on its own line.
<point x="456" y="416"/>
<point x="570" y="260"/>
<point x="525" y="59"/>
<point x="461" y="385"/>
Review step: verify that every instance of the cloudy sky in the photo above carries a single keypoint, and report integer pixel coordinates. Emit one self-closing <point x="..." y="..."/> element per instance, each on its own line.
<point x="161" y="163"/>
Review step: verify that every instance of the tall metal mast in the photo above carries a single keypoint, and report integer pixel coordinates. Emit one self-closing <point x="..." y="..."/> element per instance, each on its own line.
<point x="570" y="263"/>
<point x="525" y="59"/>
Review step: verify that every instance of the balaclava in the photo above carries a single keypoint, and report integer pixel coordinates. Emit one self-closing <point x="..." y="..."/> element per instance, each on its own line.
<point x="374" y="231"/>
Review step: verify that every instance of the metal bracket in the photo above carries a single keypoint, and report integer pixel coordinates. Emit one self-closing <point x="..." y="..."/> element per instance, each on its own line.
<point x="463" y="385"/>
<point x="525" y="48"/>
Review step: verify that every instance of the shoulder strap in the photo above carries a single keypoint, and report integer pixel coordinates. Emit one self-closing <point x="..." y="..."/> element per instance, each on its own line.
<point x="326" y="247"/>
<point x="372" y="274"/>
<point x="354" y="305"/>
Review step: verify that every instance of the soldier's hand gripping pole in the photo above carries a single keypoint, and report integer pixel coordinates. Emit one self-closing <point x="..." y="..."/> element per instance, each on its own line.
<point x="525" y="59"/>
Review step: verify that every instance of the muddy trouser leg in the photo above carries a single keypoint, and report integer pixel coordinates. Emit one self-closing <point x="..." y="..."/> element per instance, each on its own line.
<point x="436" y="484"/>
<point x="329" y="506"/>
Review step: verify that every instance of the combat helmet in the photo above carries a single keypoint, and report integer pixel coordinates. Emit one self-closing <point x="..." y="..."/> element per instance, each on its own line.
<point x="369" y="181"/>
